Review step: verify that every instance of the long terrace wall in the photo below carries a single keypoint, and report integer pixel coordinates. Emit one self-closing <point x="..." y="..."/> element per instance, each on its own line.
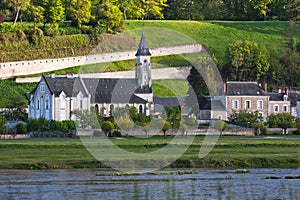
<point x="12" y="69"/>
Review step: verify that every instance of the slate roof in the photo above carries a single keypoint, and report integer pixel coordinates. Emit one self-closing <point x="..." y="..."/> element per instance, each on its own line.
<point x="293" y="97"/>
<point x="71" y="86"/>
<point x="143" y="49"/>
<point x="160" y="103"/>
<point x="213" y="105"/>
<point x="110" y="90"/>
<point x="244" y="88"/>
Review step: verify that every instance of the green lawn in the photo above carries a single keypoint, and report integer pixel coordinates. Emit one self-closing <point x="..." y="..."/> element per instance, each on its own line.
<point x="70" y="153"/>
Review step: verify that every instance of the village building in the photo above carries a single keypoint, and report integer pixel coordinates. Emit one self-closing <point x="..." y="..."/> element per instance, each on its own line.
<point x="55" y="97"/>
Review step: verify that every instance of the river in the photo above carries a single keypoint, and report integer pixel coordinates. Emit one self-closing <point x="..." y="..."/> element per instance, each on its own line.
<point x="207" y="184"/>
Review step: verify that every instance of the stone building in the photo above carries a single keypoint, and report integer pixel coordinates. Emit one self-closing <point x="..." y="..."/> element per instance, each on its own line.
<point x="54" y="97"/>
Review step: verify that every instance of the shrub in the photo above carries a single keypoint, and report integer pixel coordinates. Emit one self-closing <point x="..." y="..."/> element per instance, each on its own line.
<point x="35" y="36"/>
<point x="298" y="125"/>
<point x="116" y="133"/>
<point x="107" y="127"/>
<point x="21" y="128"/>
<point x="7" y="28"/>
<point x="51" y="31"/>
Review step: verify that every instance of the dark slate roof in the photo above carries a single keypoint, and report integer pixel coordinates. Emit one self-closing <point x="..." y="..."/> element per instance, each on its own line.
<point x="293" y="97"/>
<point x="109" y="90"/>
<point x="160" y="103"/>
<point x="71" y="86"/>
<point x="143" y="49"/>
<point x="244" y="88"/>
<point x="213" y="105"/>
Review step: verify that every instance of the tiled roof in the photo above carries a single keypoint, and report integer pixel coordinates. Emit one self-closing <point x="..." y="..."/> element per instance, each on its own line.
<point x="244" y="88"/>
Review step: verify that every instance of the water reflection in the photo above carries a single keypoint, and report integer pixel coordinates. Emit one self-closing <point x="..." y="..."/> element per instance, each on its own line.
<point x="207" y="184"/>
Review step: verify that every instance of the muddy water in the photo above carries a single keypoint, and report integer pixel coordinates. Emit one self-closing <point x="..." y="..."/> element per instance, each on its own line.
<point x="207" y="184"/>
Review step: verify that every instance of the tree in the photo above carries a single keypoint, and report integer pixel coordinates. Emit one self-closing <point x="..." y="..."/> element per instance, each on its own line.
<point x="145" y="127"/>
<point x="79" y="11"/>
<point x="148" y="9"/>
<point x="221" y="126"/>
<point x="245" y="118"/>
<point x="262" y="6"/>
<point x="184" y="128"/>
<point x="35" y="14"/>
<point x="281" y="120"/>
<point x="17" y="5"/>
<point x="15" y="109"/>
<point x="2" y="123"/>
<point x="107" y="127"/>
<point x="258" y="127"/>
<point x="107" y="16"/>
<point x="166" y="127"/>
<point x="249" y="60"/>
<point x="54" y="12"/>
<point x="298" y="125"/>
<point x="293" y="9"/>
<point x="125" y="123"/>
<point x="173" y="116"/>
<point x="86" y="118"/>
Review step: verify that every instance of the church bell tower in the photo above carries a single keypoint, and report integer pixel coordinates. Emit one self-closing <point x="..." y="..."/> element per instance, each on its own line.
<point x="143" y="65"/>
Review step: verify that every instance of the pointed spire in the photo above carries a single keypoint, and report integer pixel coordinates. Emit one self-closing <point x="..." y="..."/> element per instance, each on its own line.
<point x="143" y="49"/>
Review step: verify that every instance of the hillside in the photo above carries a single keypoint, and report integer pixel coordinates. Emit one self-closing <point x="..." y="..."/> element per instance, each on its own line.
<point x="215" y="36"/>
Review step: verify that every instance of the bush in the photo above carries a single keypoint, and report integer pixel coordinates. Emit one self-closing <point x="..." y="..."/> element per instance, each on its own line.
<point x="51" y="31"/>
<point x="116" y="133"/>
<point x="7" y="28"/>
<point x="21" y="128"/>
<point x="298" y="126"/>
<point x="35" y="36"/>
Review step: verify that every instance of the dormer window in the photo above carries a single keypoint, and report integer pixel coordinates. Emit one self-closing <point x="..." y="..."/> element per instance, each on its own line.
<point x="285" y="97"/>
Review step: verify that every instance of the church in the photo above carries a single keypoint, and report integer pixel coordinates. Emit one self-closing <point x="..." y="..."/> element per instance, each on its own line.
<point x="56" y="96"/>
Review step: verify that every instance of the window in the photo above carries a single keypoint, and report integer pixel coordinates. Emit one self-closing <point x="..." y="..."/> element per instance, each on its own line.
<point x="38" y="104"/>
<point x="81" y="104"/>
<point x="140" y="109"/>
<point x="62" y="102"/>
<point x="247" y="104"/>
<point x="42" y="87"/>
<point x="112" y="107"/>
<point x="276" y="108"/>
<point x="47" y="104"/>
<point x="285" y="108"/>
<point x="260" y="104"/>
<point x="235" y="104"/>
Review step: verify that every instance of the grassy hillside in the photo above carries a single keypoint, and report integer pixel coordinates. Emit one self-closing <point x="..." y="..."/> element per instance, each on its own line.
<point x="217" y="36"/>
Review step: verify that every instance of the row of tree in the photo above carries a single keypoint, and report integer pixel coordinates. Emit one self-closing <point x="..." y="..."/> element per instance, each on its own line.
<point x="109" y="13"/>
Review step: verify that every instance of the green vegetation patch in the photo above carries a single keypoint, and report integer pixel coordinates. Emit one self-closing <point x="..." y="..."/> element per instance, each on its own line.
<point x="70" y="153"/>
<point x="170" y="88"/>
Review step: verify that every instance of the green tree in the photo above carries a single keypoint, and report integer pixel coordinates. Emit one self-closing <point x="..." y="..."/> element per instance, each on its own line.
<point x="54" y="12"/>
<point x="184" y="128"/>
<point x="145" y="127"/>
<point x="35" y="14"/>
<point x="21" y="128"/>
<point x="221" y="126"/>
<point x="18" y="6"/>
<point x="250" y="60"/>
<point x="293" y="9"/>
<point x="107" y="127"/>
<point x="166" y="126"/>
<point x="15" y="109"/>
<point x="173" y="116"/>
<point x="125" y="123"/>
<point x="262" y="6"/>
<point x="79" y="11"/>
<point x="107" y="16"/>
<point x="281" y="120"/>
<point x="245" y="118"/>
<point x="298" y="125"/>
<point x="2" y="123"/>
<point x="258" y="127"/>
<point x="86" y="118"/>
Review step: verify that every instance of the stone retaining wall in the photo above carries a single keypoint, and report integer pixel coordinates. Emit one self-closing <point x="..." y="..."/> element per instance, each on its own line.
<point x="11" y="69"/>
<point x="14" y="137"/>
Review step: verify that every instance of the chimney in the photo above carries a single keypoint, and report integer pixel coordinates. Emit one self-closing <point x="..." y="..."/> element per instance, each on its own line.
<point x="52" y="75"/>
<point x="225" y="87"/>
<point x="266" y="87"/>
<point x="286" y="91"/>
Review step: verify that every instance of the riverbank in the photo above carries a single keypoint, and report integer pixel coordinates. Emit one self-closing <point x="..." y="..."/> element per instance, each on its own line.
<point x="229" y="152"/>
